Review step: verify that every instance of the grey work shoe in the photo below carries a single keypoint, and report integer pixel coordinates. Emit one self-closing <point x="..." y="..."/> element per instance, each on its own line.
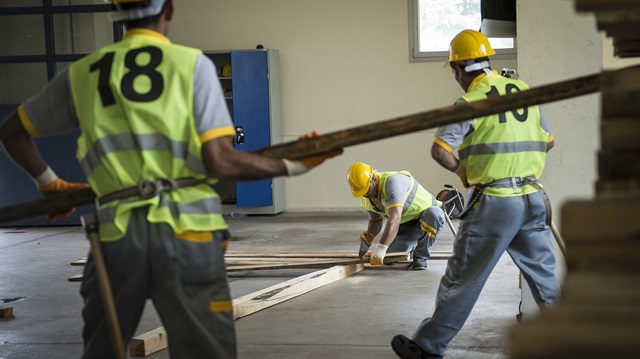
<point x="418" y="264"/>
<point x="408" y="349"/>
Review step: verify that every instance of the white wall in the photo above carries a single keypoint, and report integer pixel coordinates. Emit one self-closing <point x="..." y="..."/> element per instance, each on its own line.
<point x="343" y="64"/>
<point x="554" y="44"/>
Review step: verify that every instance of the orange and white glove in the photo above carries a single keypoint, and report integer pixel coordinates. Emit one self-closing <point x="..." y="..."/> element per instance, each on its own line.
<point x="49" y="183"/>
<point x="303" y="165"/>
<point x="377" y="257"/>
<point x="365" y="242"/>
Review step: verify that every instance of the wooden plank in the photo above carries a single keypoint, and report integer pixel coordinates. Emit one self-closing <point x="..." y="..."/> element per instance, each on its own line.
<point x="617" y="188"/>
<point x="6" y="312"/>
<point x="148" y="343"/>
<point x="603" y="5"/>
<point x="354" y="136"/>
<point x="296" y="253"/>
<point x="614" y="251"/>
<point x="621" y="94"/>
<point x="602" y="219"/>
<point x="310" y="253"/>
<point x="569" y="339"/>
<point x="80" y="262"/>
<point x="75" y="278"/>
<point x="155" y="340"/>
<point x="620" y="134"/>
<point x="619" y="164"/>
<point x="292" y="288"/>
<point x="267" y="263"/>
<point x="607" y="289"/>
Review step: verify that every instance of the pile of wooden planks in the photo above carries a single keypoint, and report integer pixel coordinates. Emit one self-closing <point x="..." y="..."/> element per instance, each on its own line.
<point x="620" y="20"/>
<point x="336" y="265"/>
<point x="243" y="260"/>
<point x="598" y="315"/>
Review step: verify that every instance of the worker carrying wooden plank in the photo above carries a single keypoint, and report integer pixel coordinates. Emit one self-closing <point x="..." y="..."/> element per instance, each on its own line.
<point x="155" y="136"/>
<point x="502" y="156"/>
<point x="413" y="215"/>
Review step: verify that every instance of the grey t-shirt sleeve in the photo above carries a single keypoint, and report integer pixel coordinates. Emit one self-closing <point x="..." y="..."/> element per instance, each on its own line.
<point x="209" y="105"/>
<point x="544" y="124"/>
<point x="396" y="188"/>
<point x="51" y="111"/>
<point x="455" y="133"/>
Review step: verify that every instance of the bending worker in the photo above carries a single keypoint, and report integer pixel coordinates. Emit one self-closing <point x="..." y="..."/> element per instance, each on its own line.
<point x="414" y="216"/>
<point x="151" y="115"/>
<point x="502" y="156"/>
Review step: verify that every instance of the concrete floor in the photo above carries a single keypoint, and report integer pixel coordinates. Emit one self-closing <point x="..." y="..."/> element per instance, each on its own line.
<point x="355" y="317"/>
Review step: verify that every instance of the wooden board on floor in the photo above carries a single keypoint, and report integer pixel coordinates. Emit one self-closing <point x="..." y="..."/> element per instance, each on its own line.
<point x="155" y="340"/>
<point x="268" y="260"/>
<point x="6" y="312"/>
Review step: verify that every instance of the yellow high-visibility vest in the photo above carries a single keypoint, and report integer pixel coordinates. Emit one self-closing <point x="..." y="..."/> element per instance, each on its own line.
<point x="134" y="103"/>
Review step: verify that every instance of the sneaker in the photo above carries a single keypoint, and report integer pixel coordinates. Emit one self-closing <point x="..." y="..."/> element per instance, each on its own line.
<point x="408" y="349"/>
<point x="418" y="264"/>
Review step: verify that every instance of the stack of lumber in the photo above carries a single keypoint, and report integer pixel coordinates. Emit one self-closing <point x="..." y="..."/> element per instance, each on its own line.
<point x="620" y="20"/>
<point x="244" y="260"/>
<point x="598" y="315"/>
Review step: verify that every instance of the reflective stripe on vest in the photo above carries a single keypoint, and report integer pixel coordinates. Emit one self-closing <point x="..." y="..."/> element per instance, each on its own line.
<point x="509" y="147"/>
<point x="145" y="142"/>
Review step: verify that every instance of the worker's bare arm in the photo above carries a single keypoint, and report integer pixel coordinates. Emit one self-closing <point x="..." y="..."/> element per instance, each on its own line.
<point x="391" y="227"/>
<point x="445" y="158"/>
<point x="550" y="145"/>
<point x="375" y="226"/>
<point x="20" y="147"/>
<point x="225" y="162"/>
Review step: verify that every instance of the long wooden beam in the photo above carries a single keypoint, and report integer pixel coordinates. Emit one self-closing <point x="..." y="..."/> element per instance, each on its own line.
<point x="353" y="136"/>
<point x="155" y="340"/>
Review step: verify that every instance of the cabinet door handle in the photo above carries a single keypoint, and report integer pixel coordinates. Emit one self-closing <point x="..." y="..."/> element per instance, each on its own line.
<point x="239" y="135"/>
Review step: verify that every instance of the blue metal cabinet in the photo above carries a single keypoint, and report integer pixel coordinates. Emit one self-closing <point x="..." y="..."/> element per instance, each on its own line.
<point x="254" y="101"/>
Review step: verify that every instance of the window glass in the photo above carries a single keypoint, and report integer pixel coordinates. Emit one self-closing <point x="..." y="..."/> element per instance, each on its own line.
<point x="82" y="33"/>
<point x="22" y="35"/>
<point x="21" y="81"/>
<point x="434" y="23"/>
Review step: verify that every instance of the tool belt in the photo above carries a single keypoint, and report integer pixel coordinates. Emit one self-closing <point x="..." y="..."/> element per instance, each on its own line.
<point x="148" y="188"/>
<point x="513" y="182"/>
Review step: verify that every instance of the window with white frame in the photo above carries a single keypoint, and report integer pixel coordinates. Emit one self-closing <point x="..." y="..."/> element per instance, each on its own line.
<point x="434" y="23"/>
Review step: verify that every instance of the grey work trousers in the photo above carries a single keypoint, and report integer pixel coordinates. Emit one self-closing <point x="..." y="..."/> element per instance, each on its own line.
<point x="418" y="235"/>
<point x="185" y="279"/>
<point x="514" y="224"/>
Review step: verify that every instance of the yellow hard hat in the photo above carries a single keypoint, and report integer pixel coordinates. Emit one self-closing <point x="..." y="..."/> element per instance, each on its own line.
<point x="359" y="178"/>
<point x="469" y="44"/>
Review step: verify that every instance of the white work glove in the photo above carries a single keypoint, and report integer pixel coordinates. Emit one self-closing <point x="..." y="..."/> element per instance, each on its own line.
<point x="377" y="257"/>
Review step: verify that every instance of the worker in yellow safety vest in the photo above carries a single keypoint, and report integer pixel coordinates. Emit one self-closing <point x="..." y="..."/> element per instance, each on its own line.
<point x="413" y="216"/>
<point x="154" y="137"/>
<point x="500" y="158"/>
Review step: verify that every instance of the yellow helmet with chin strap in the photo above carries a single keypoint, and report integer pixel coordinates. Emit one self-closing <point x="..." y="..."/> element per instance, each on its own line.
<point x="125" y="10"/>
<point x="359" y="178"/>
<point x="469" y="45"/>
